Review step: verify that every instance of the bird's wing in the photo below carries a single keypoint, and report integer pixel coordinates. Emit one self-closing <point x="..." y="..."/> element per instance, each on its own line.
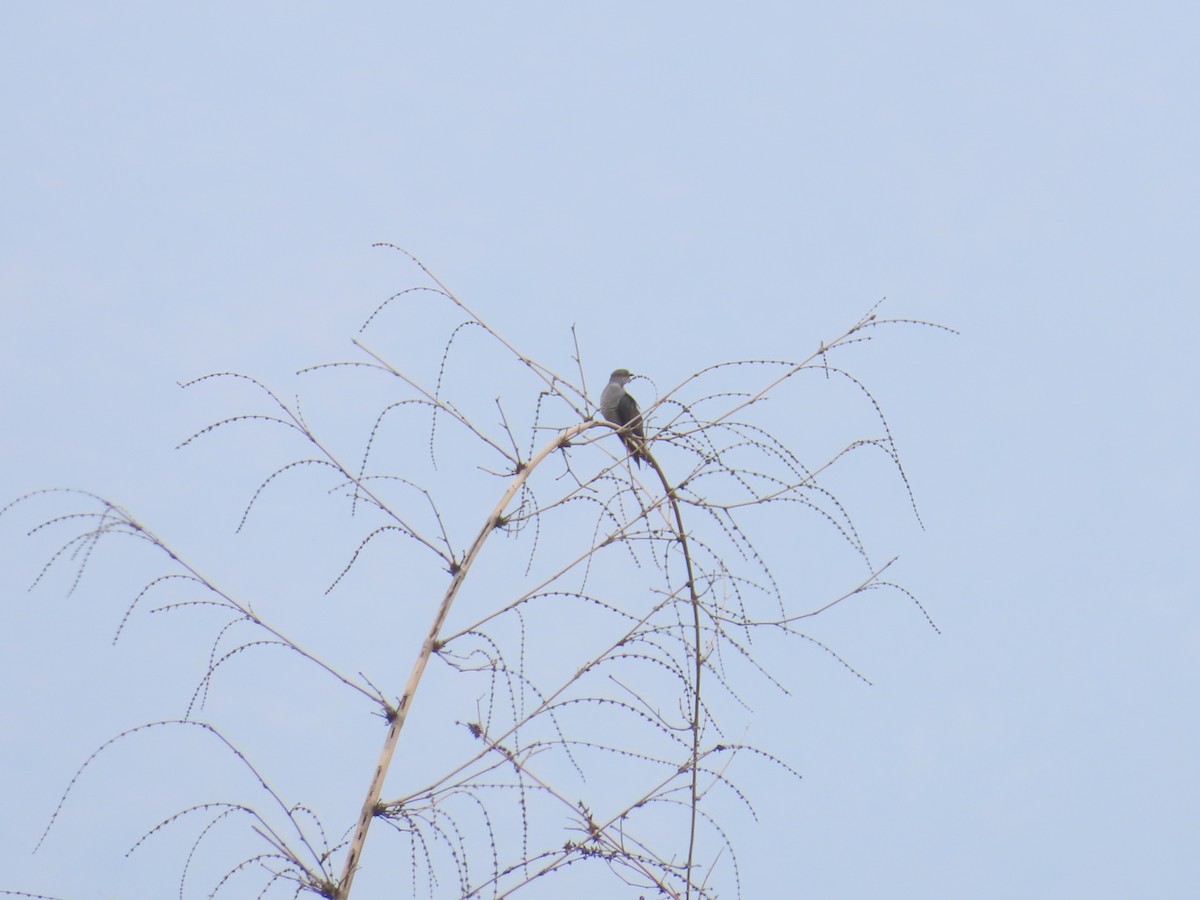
<point x="629" y="414"/>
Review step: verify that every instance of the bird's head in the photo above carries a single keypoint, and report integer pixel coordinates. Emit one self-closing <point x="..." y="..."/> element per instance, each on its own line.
<point x="620" y="376"/>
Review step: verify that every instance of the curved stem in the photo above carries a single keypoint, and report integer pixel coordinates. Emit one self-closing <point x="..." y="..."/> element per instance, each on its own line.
<point x="698" y="660"/>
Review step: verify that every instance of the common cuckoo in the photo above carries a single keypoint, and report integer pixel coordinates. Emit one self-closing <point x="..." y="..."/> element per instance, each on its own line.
<point x="622" y="410"/>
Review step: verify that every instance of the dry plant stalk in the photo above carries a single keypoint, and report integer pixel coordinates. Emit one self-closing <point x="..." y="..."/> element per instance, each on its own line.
<point x="633" y="700"/>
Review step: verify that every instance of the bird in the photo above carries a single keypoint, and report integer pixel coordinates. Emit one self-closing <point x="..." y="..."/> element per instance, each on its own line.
<point x="622" y="410"/>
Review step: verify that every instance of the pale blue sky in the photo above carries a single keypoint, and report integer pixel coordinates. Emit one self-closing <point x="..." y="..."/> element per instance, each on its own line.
<point x="189" y="190"/>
